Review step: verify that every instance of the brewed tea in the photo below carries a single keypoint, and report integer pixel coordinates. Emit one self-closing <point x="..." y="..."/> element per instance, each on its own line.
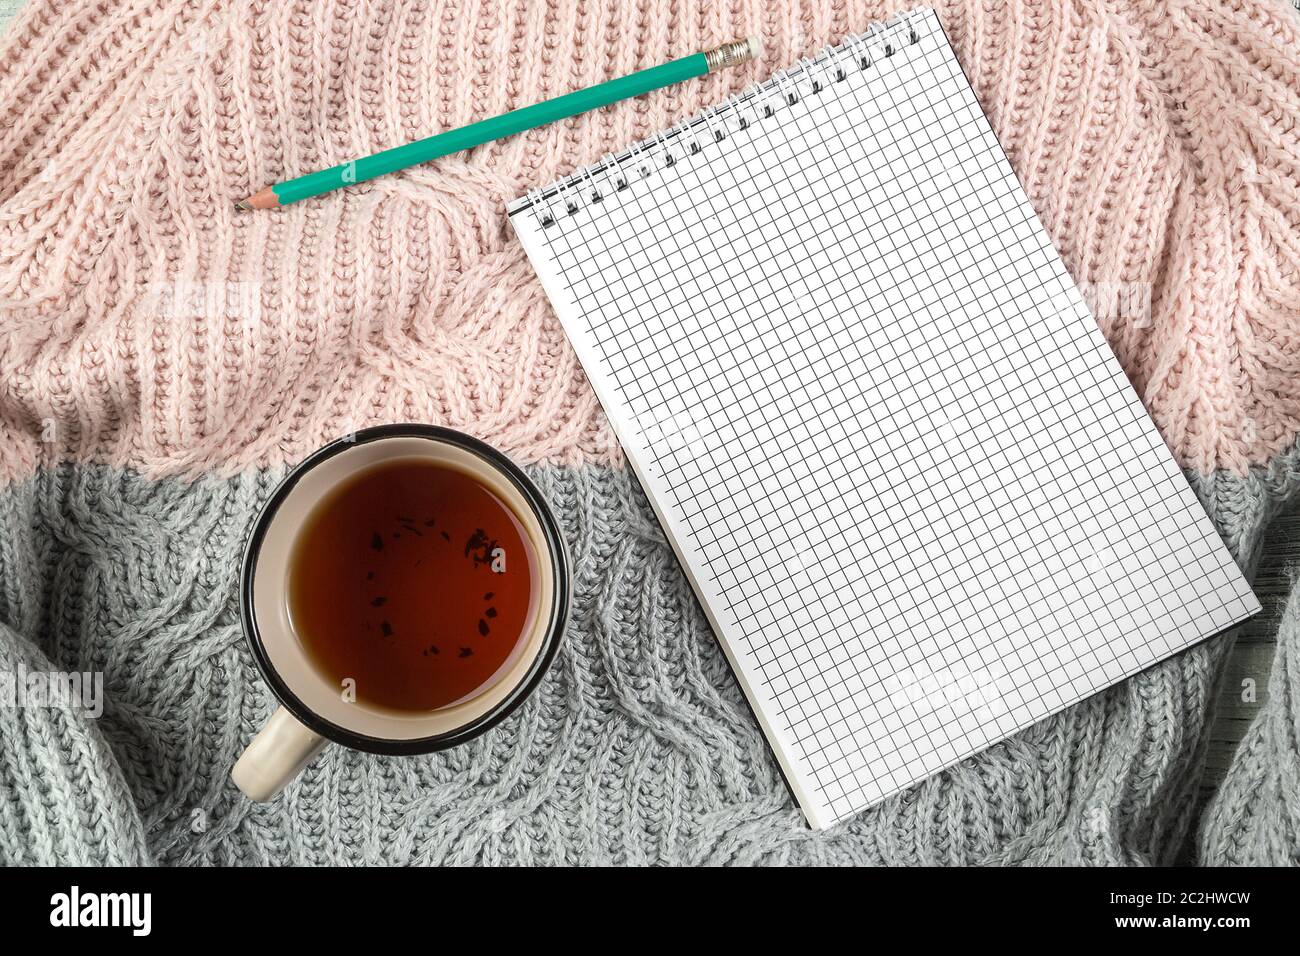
<point x="413" y="581"/>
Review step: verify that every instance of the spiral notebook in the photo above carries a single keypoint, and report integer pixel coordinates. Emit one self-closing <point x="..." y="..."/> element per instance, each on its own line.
<point x="917" y="498"/>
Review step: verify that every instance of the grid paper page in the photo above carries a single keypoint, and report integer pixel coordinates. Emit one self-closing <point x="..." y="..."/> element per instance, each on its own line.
<point x="916" y="495"/>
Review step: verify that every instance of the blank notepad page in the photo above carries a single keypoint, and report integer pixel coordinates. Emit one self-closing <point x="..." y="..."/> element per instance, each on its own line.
<point x="918" y="499"/>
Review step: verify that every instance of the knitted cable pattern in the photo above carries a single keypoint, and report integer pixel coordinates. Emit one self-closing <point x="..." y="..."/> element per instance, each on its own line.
<point x="637" y="748"/>
<point x="162" y="359"/>
<point x="148" y="325"/>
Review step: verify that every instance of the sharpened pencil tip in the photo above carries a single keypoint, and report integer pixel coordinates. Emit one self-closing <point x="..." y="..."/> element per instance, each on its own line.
<point x="264" y="198"/>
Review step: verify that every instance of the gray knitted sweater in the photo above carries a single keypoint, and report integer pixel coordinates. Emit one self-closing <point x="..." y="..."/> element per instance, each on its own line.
<point x="637" y="749"/>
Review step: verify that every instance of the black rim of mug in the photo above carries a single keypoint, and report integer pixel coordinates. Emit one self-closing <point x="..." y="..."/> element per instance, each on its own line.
<point x="555" y="627"/>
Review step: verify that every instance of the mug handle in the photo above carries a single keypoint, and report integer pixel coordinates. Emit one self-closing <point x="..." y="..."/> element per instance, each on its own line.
<point x="275" y="756"/>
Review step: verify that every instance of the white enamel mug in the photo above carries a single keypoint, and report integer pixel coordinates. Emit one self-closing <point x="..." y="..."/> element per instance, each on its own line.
<point x="312" y="710"/>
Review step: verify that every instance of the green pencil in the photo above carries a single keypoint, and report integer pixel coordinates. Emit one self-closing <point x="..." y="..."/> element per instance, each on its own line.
<point x="499" y="127"/>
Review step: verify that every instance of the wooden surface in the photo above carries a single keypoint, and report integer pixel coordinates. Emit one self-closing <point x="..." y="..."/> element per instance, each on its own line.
<point x="1252" y="658"/>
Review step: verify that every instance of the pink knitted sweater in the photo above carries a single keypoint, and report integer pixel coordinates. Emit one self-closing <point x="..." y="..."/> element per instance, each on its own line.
<point x="147" y="324"/>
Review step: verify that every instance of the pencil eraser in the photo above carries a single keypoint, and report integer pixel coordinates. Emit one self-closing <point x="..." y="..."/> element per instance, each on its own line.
<point x="755" y="47"/>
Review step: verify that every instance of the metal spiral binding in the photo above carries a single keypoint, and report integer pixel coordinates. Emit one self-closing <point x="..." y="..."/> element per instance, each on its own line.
<point x="590" y="186"/>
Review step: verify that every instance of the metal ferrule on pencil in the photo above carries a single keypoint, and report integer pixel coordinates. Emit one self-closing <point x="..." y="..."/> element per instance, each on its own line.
<point x="732" y="54"/>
